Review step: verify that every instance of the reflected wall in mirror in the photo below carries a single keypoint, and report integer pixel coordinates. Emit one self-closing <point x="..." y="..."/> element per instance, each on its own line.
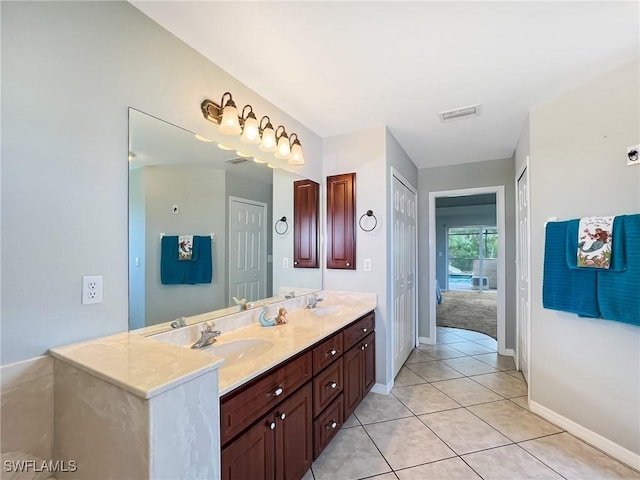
<point x="183" y="184"/>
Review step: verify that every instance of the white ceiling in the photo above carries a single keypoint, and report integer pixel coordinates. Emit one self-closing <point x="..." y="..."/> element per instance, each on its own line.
<point x="339" y="67"/>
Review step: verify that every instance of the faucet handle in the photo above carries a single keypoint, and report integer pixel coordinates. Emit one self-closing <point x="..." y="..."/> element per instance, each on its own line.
<point x="209" y="326"/>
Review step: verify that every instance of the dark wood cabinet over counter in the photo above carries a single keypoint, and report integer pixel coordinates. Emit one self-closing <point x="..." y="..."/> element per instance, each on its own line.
<point x="341" y="227"/>
<point x="274" y="426"/>
<point x="306" y="201"/>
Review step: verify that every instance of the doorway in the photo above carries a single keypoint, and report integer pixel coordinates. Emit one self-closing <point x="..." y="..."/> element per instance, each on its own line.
<point x="499" y="193"/>
<point x="247" y="249"/>
<point x="524" y="268"/>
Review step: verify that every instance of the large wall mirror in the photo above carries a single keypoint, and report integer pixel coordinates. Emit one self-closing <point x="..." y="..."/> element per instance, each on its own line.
<point x="197" y="208"/>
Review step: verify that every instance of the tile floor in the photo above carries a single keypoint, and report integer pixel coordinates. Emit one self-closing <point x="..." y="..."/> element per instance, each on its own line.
<point x="458" y="410"/>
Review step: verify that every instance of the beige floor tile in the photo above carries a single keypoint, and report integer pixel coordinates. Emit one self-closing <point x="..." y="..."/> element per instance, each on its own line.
<point x="463" y="432"/>
<point x="521" y="401"/>
<point x="489" y="343"/>
<point x="470" y="334"/>
<point x="350" y="455"/>
<point x="385" y="476"/>
<point x="376" y="407"/>
<point x="425" y="398"/>
<point x="575" y="460"/>
<point x="407" y="442"/>
<point x="502" y="383"/>
<point x="444" y="338"/>
<point x="352" y="421"/>
<point x="469" y="366"/>
<point x="418" y="356"/>
<point x="516" y="374"/>
<point x="407" y="377"/>
<point x="514" y="421"/>
<point x="450" y="469"/>
<point x="501" y="362"/>
<point x="508" y="463"/>
<point x="308" y="475"/>
<point x="434" y="371"/>
<point x="467" y="392"/>
<point x="441" y="352"/>
<point x="471" y="348"/>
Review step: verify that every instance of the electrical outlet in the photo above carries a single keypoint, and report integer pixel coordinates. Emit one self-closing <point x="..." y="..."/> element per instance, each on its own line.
<point x="91" y="289"/>
<point x="367" y="264"/>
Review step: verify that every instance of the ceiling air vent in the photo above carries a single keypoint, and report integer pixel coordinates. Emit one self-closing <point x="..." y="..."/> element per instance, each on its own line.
<point x="471" y="111"/>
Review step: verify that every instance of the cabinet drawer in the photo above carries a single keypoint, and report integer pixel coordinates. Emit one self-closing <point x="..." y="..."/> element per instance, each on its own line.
<point x="327" y="425"/>
<point x="327" y="352"/>
<point x="358" y="330"/>
<point x="327" y="386"/>
<point x="239" y="410"/>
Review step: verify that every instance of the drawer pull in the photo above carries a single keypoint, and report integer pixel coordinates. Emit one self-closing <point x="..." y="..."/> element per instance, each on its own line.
<point x="332" y="385"/>
<point x="331" y="353"/>
<point x="366" y="345"/>
<point x="364" y="330"/>
<point x="283" y="416"/>
<point x="272" y="425"/>
<point x="278" y="391"/>
<point x="332" y="425"/>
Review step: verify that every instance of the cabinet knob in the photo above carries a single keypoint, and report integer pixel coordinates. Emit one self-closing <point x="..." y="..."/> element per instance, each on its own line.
<point x="366" y="345"/>
<point x="331" y="352"/>
<point x="332" y="425"/>
<point x="332" y="385"/>
<point x="348" y="264"/>
<point x="276" y="393"/>
<point x="364" y="330"/>
<point x="295" y="263"/>
<point x="283" y="416"/>
<point x="272" y="425"/>
<point x="362" y="347"/>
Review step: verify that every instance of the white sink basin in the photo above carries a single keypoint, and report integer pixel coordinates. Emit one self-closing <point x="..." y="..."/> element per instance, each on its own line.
<point x="327" y="310"/>
<point x="239" y="351"/>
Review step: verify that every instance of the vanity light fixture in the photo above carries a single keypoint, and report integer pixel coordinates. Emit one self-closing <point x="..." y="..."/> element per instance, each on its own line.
<point x="284" y="148"/>
<point x="250" y="129"/>
<point x="268" y="143"/>
<point x="225" y="115"/>
<point x="296" y="157"/>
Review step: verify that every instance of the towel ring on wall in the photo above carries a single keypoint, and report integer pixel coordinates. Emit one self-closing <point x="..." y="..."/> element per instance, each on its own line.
<point x="280" y="230"/>
<point x="368" y="214"/>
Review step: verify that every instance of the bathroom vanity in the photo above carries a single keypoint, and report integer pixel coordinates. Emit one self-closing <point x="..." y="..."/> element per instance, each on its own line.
<point x="275" y="425"/>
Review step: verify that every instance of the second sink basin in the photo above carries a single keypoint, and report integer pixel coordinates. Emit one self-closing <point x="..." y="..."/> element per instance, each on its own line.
<point x="239" y="351"/>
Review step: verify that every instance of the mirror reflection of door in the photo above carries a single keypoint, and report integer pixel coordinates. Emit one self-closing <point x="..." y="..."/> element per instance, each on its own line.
<point x="247" y="249"/>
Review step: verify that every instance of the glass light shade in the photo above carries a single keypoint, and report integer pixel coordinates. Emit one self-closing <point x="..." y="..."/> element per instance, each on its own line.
<point x="230" y="125"/>
<point x="250" y="132"/>
<point x="296" y="157"/>
<point x="268" y="143"/>
<point x="284" y="149"/>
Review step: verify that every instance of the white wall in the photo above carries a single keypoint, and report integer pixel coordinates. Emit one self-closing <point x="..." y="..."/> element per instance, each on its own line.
<point x="469" y="175"/>
<point x="585" y="370"/>
<point x="70" y="71"/>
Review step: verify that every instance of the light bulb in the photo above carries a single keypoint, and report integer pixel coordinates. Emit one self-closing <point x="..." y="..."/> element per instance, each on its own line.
<point x="250" y="132"/>
<point x="296" y="157"/>
<point x="229" y="124"/>
<point x="284" y="150"/>
<point x="268" y="143"/>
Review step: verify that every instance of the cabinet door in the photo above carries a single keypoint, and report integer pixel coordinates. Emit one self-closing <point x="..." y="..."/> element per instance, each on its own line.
<point x="252" y="455"/>
<point x="353" y="380"/>
<point x="306" y="197"/>
<point x="341" y="228"/>
<point x="294" y="435"/>
<point x="369" y="363"/>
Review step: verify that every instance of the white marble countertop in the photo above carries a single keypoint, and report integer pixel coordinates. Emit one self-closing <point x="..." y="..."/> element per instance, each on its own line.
<point x="141" y="365"/>
<point x="304" y="328"/>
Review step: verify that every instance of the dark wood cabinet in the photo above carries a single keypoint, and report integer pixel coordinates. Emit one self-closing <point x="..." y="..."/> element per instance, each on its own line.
<point x="274" y="426"/>
<point x="306" y="198"/>
<point x="359" y="372"/>
<point x="341" y="227"/>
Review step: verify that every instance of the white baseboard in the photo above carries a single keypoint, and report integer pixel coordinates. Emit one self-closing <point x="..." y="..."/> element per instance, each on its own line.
<point x="382" y="388"/>
<point x="509" y="352"/>
<point x="595" y="439"/>
<point x="426" y="340"/>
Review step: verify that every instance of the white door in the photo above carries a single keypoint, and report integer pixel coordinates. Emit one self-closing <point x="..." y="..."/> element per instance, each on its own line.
<point x="404" y="273"/>
<point x="523" y="274"/>
<point x="247" y="249"/>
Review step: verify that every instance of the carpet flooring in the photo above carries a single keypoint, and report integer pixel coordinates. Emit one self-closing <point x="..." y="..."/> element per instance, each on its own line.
<point x="469" y="310"/>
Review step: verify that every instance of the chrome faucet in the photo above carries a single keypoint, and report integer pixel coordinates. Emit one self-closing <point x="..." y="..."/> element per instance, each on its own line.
<point x="290" y="295"/>
<point x="313" y="301"/>
<point x="208" y="335"/>
<point x="179" y="322"/>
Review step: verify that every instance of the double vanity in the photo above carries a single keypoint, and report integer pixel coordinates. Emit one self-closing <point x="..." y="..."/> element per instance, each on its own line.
<point x="260" y="402"/>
